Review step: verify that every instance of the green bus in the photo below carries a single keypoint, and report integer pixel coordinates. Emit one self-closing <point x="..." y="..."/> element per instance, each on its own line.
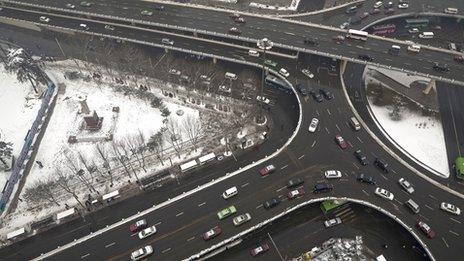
<point x="459" y="167"/>
<point x="417" y="23"/>
<point x="329" y="205"/>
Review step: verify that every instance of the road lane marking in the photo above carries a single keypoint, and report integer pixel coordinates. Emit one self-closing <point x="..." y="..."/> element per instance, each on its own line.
<point x="284" y="167"/>
<point x="432" y="196"/>
<point x="457" y="221"/>
<point x="328" y="112"/>
<point x="338" y="128"/>
<point x="190" y="239"/>
<point x="265" y="176"/>
<point x="383" y="176"/>
<point x="365" y="192"/>
<point x="351" y="145"/>
<point x="427" y="206"/>
<point x="158" y="223"/>
<point x="314" y="143"/>
<point x="394" y="171"/>
<point x="84" y="256"/>
<point x="424" y="217"/>
<point x="202" y="203"/>
<point x="166" y="250"/>
<point x="259" y="206"/>
<point x="300" y="157"/>
<point x="280" y="189"/>
<point x="246" y="184"/>
<point x="452" y="232"/>
<point x="110" y="244"/>
<point x="359" y="139"/>
<point x="444" y="241"/>
<point x="179" y="214"/>
<point x="327" y="130"/>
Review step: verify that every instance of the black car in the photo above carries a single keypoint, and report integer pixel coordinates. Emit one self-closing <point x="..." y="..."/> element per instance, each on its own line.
<point x="271" y="203"/>
<point x="361" y="157"/>
<point x="316" y="96"/>
<point x="382" y="165"/>
<point x="440" y="67"/>
<point x="302" y="89"/>
<point x="366" y="57"/>
<point x="322" y="187"/>
<point x="296" y="182"/>
<point x="365" y="179"/>
<point x="327" y="94"/>
<point x="311" y="41"/>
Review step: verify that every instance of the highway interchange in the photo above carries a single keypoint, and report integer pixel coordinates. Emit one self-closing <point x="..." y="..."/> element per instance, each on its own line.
<point x="307" y="156"/>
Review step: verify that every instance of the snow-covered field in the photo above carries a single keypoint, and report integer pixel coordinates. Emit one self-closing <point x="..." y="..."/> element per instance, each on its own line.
<point x="420" y="136"/>
<point x="18" y="106"/>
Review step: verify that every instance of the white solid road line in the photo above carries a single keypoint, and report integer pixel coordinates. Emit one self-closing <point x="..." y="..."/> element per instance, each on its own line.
<point x="84" y="256"/>
<point x="246" y="184"/>
<point x="202" y="203"/>
<point x="110" y="244"/>
<point x="179" y="214"/>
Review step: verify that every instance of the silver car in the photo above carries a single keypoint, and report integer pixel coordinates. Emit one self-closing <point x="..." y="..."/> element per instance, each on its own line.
<point x="406" y="185"/>
<point x="332" y="222"/>
<point x="239" y="220"/>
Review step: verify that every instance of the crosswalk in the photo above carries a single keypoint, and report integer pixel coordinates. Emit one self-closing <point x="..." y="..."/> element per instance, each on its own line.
<point x="345" y="213"/>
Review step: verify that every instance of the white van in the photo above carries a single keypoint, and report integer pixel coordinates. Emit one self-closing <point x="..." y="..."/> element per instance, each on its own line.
<point x="451" y="10"/>
<point x="426" y="35"/>
<point x="167" y="41"/>
<point x="412" y="205"/>
<point x="230" y="76"/>
<point x="253" y="53"/>
<point x="414" y="48"/>
<point x="394" y="50"/>
<point x="230" y="192"/>
<point x="84" y="27"/>
<point x="452" y="47"/>
<point x="355" y="124"/>
<point x="378" y="4"/>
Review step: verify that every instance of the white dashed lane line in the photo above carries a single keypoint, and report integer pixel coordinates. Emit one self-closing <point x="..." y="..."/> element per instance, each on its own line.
<point x="452" y="232"/>
<point x="179" y="214"/>
<point x="359" y="139"/>
<point x="190" y="239"/>
<point x="201" y="204"/>
<point x="158" y="223"/>
<point x="300" y="157"/>
<point x="457" y="221"/>
<point x="84" y="256"/>
<point x="280" y="189"/>
<point x="284" y="167"/>
<point x="314" y="143"/>
<point x="432" y="196"/>
<point x="166" y="250"/>
<point x="444" y="241"/>
<point x="246" y="184"/>
<point x="427" y="206"/>
<point x="259" y="206"/>
<point x="110" y="244"/>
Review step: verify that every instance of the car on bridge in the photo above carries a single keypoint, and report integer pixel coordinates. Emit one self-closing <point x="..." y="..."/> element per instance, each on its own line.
<point x="332" y="174"/>
<point x="296" y="193"/>
<point x="70" y="6"/>
<point x="228" y="211"/>
<point x="364" y="15"/>
<point x="234" y="31"/>
<point x="147" y="232"/>
<point x="403" y="6"/>
<point x="270" y="63"/>
<point x="308" y="73"/>
<point x="141" y="253"/>
<point x="406" y="185"/>
<point x="365" y="179"/>
<point x="267" y="170"/>
<point x="311" y="41"/>
<point x="263" y="99"/>
<point x="450" y="208"/>
<point x="234" y="15"/>
<point x="271" y="203"/>
<point x="109" y="27"/>
<point x="383" y="193"/>
<point x="361" y="157"/>
<point x="146" y="13"/>
<point x="137" y="226"/>
<point x="262" y="248"/>
<point x="440" y="67"/>
<point x="316" y="96"/>
<point x="389" y="11"/>
<point x="313" y="125"/>
<point x="322" y="187"/>
<point x="381" y="164"/>
<point x="332" y="222"/>
<point x="284" y="72"/>
<point x="459" y="58"/>
<point x="302" y="89"/>
<point x="374" y="11"/>
<point x="341" y="142"/>
<point x="426" y="229"/>
<point x="296" y="182"/>
<point x="241" y="219"/>
<point x="338" y="39"/>
<point x="212" y="233"/>
<point x="327" y="94"/>
<point x="240" y="20"/>
<point x="366" y="57"/>
<point x="159" y="7"/>
<point x="44" y="19"/>
<point x="85" y="4"/>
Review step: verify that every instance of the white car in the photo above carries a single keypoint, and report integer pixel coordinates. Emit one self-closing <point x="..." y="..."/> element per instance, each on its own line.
<point x="413" y="31"/>
<point x="332" y="174"/>
<point x="284" y="72"/>
<point x="406" y="185"/>
<point x="378" y="4"/>
<point x="109" y="27"/>
<point x="384" y="193"/>
<point x="403" y="6"/>
<point x="263" y="99"/>
<point x="448" y="207"/>
<point x="308" y="73"/>
<point x="70" y="6"/>
<point x="44" y="19"/>
<point x="344" y="25"/>
<point x="84" y="27"/>
<point x="238" y="220"/>
<point x="141" y="253"/>
<point x="313" y="125"/>
<point x="174" y="72"/>
<point x="147" y="232"/>
<point x="253" y="53"/>
<point x="332" y="222"/>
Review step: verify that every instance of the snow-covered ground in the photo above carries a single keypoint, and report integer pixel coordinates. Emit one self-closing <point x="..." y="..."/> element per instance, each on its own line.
<point x="18" y="106"/>
<point x="420" y="136"/>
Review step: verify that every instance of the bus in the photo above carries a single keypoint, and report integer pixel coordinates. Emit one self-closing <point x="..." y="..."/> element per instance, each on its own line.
<point x="459" y="167"/>
<point x="417" y="23"/>
<point x="382" y="30"/>
<point x="206" y="158"/>
<point x="277" y="83"/>
<point x="356" y="34"/>
<point x="188" y="166"/>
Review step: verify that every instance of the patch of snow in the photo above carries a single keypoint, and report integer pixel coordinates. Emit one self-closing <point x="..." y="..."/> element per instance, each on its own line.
<point x="420" y="136"/>
<point x="292" y="7"/>
<point x="401" y="77"/>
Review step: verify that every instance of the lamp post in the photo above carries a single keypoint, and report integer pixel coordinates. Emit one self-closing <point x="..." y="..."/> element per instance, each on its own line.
<point x="264" y="44"/>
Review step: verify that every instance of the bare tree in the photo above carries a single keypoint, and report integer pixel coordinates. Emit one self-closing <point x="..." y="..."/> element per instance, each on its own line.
<point x="134" y="148"/>
<point x="121" y="158"/>
<point x="173" y="135"/>
<point x="142" y="145"/>
<point x="71" y="164"/>
<point x="193" y="128"/>
<point x="64" y="181"/>
<point x="127" y="159"/>
<point x="102" y="152"/>
<point x="42" y="190"/>
<point x="156" y="144"/>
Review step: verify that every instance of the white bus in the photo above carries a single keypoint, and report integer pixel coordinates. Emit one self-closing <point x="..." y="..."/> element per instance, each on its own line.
<point x="231" y="76"/>
<point x="451" y="10"/>
<point x="188" y="166"/>
<point x="206" y="158"/>
<point x="356" y="34"/>
<point x="426" y="35"/>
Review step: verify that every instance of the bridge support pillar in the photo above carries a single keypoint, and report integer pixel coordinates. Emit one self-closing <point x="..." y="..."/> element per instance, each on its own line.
<point x="429" y="87"/>
<point x="214" y="60"/>
<point x="195" y="34"/>
<point x="342" y="66"/>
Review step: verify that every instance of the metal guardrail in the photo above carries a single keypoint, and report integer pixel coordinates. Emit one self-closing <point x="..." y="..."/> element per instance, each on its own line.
<point x="291" y="209"/>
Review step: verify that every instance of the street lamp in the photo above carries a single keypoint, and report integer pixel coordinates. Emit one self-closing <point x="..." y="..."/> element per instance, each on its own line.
<point x="264" y="44"/>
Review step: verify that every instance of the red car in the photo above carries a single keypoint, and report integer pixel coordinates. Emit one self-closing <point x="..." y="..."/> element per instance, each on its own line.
<point x="212" y="233"/>
<point x="137" y="226"/>
<point x="341" y="142"/>
<point x="267" y="170"/>
<point x="459" y="58"/>
<point x="429" y="232"/>
<point x="259" y="249"/>
<point x="296" y="193"/>
<point x="374" y="11"/>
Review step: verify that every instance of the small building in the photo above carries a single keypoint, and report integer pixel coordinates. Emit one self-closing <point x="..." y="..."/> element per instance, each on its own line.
<point x="93" y="122"/>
